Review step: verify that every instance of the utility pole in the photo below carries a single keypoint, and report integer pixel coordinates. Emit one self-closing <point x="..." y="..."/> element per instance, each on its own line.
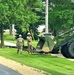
<point x="46" y="17"/>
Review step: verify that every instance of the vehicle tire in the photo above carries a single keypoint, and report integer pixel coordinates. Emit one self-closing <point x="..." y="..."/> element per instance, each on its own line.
<point x="71" y="49"/>
<point x="64" y="51"/>
<point x="55" y="51"/>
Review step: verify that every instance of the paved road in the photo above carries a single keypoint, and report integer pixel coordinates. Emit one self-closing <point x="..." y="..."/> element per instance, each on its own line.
<point x="7" y="71"/>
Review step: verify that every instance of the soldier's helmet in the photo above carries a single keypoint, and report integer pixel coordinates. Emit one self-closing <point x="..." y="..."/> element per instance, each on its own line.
<point x="20" y="35"/>
<point x="28" y="34"/>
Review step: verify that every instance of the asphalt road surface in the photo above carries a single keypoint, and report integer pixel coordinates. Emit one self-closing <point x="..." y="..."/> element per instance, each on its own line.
<point x="7" y="71"/>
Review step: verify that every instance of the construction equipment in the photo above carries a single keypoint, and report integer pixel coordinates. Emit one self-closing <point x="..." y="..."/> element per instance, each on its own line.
<point x="48" y="44"/>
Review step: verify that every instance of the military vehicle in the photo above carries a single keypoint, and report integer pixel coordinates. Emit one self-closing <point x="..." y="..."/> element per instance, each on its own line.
<point x="63" y="43"/>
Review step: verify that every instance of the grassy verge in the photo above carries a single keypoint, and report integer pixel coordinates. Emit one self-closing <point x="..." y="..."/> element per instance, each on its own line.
<point x="50" y="64"/>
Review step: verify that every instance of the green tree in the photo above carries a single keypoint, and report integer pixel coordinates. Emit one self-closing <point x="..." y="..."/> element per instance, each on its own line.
<point x="19" y="12"/>
<point x="61" y="15"/>
<point x="3" y="18"/>
<point x="32" y="17"/>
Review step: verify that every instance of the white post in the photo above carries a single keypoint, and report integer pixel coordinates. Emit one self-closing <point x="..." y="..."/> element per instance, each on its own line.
<point x="46" y="17"/>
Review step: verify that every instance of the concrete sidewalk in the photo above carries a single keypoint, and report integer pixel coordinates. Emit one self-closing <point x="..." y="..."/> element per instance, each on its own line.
<point x="8" y="44"/>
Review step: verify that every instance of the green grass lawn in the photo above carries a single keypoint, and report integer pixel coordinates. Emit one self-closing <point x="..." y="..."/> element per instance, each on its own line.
<point x="50" y="64"/>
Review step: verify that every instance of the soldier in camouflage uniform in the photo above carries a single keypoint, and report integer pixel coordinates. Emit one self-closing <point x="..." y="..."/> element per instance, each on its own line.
<point x="29" y="42"/>
<point x="20" y="44"/>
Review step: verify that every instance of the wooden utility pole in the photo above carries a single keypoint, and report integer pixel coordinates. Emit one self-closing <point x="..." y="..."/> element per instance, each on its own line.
<point x="46" y="17"/>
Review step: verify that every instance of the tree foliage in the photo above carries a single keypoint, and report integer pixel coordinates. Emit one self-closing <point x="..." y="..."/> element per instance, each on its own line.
<point x="19" y="12"/>
<point x="61" y="15"/>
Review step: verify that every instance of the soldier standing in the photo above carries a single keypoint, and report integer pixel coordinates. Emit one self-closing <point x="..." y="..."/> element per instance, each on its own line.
<point x="29" y="42"/>
<point x="20" y="44"/>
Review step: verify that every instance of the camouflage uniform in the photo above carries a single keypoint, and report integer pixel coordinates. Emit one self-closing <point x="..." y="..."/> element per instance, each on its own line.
<point x="20" y="44"/>
<point x="29" y="42"/>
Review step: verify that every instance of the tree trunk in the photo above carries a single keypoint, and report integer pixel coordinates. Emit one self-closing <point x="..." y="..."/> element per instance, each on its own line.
<point x="2" y="37"/>
<point x="11" y="30"/>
